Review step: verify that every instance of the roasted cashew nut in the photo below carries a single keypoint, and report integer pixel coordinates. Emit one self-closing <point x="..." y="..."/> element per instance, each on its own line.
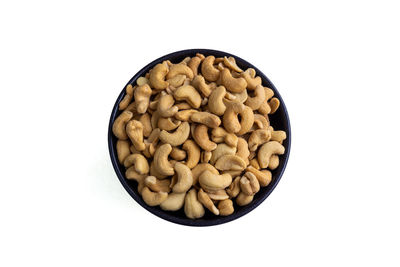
<point x="200" y="135"/>
<point x="184" y="178"/>
<point x="234" y="85"/>
<point x="207" y="202"/>
<point x="189" y="94"/>
<point x="193" y="153"/>
<point x="166" y="106"/>
<point x="267" y="150"/>
<point x="119" y="125"/>
<point x="173" y="202"/>
<point x="177" y="69"/>
<point x="213" y="182"/>
<point x="206" y="118"/>
<point x="200" y="168"/>
<point x="161" y="163"/>
<point x="123" y="150"/>
<point x="259" y="97"/>
<point x="252" y="81"/>
<point x="142" y="98"/>
<point x="216" y="104"/>
<point x="208" y="70"/>
<point x="139" y="162"/>
<point x="134" y="129"/>
<point x="153" y="198"/>
<point x="157" y="76"/>
<point x="193" y="208"/>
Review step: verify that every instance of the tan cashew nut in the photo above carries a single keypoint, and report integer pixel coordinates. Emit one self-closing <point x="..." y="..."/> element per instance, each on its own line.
<point x="218" y="195"/>
<point x="146" y="121"/>
<point x="157" y="185"/>
<point x="219" y="135"/>
<point x="206" y="118"/>
<point x="200" y="135"/>
<point x="258" y="137"/>
<point x="184" y="115"/>
<point x="123" y="150"/>
<point x="273" y="162"/>
<point x="174" y="201"/>
<point x="161" y="163"/>
<point x="208" y="70"/>
<point x="246" y="121"/>
<point x="200" y="168"/>
<point x="194" y="63"/>
<point x="200" y="84"/>
<point x="264" y="178"/>
<point x="177" y="81"/>
<point x="139" y="162"/>
<point x="207" y="202"/>
<point x="153" y="198"/>
<point x="221" y="150"/>
<point x="157" y="76"/>
<point x="267" y="150"/>
<point x="252" y="81"/>
<point x="234" y="85"/>
<point x="243" y="150"/>
<point x="168" y="124"/>
<point x="134" y="129"/>
<point x="177" y="69"/>
<point x="230" y="118"/>
<point x="193" y="208"/>
<point x="242" y="199"/>
<point x="178" y="154"/>
<point x="193" y="152"/>
<point x="119" y="124"/>
<point x="216" y="104"/>
<point x="234" y="187"/>
<point x="249" y="184"/>
<point x="184" y="178"/>
<point x="278" y="136"/>
<point x="260" y="122"/>
<point x="189" y="94"/>
<point x="142" y="98"/>
<point x="225" y="207"/>
<point x="240" y="97"/>
<point x="274" y="104"/>
<point x="212" y="182"/>
<point x="230" y="163"/>
<point x="230" y="62"/>
<point x="178" y="137"/>
<point x="259" y="97"/>
<point x="166" y="106"/>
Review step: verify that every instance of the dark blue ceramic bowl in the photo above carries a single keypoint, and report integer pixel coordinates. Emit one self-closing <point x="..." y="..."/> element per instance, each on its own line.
<point x="279" y="120"/>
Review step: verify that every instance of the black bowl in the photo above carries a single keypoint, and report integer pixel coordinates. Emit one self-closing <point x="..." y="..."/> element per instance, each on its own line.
<point x="279" y="120"/>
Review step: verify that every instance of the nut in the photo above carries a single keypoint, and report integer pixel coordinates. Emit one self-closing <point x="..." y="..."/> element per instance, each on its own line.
<point x="267" y="150"/>
<point x="213" y="182"/>
<point x="230" y="163"/>
<point x="173" y="202"/>
<point x="157" y="185"/>
<point x="142" y="98"/>
<point x="119" y="124"/>
<point x="193" y="152"/>
<point x="200" y="168"/>
<point x="249" y="184"/>
<point x="208" y="70"/>
<point x="234" y="85"/>
<point x="215" y="102"/>
<point x="184" y="178"/>
<point x="259" y="97"/>
<point x="178" y="137"/>
<point x="153" y="198"/>
<point x="193" y="208"/>
<point x="157" y="76"/>
<point x="225" y="207"/>
<point x="134" y="129"/>
<point x="207" y="202"/>
<point x="177" y="69"/>
<point x="166" y="106"/>
<point x="122" y="150"/>
<point x="206" y="118"/>
<point x="189" y="94"/>
<point x="138" y="161"/>
<point x="251" y="80"/>
<point x="200" y="135"/>
<point x="161" y="163"/>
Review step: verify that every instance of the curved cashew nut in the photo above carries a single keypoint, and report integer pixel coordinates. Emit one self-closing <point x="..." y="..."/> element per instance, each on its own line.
<point x="247" y="120"/>
<point x="200" y="135"/>
<point x="177" y="81"/>
<point x="278" y="136"/>
<point x="241" y="97"/>
<point x="127" y="98"/>
<point x="274" y="104"/>
<point x="258" y="137"/>
<point x="177" y="69"/>
<point x="134" y="129"/>
<point x="139" y="162"/>
<point x="184" y="178"/>
<point x="264" y="109"/>
<point x="212" y="182"/>
<point x="163" y="166"/>
<point x="221" y="150"/>
<point x="234" y="187"/>
<point x="219" y="135"/>
<point x="157" y="76"/>
<point x="153" y="198"/>
<point x="193" y="152"/>
<point x="218" y="195"/>
<point x="119" y="125"/>
<point x="230" y="118"/>
<point x="168" y="124"/>
<point x="177" y="154"/>
<point x="230" y="163"/>
<point x="264" y="178"/>
<point x="255" y="102"/>
<point x="267" y="150"/>
<point x="199" y="169"/>
<point x="249" y="184"/>
<point x="234" y="85"/>
<point x="207" y="202"/>
<point x="208" y="70"/>
<point x="194" y="63"/>
<point x="166" y="106"/>
<point x="184" y="115"/>
<point x="200" y="84"/>
<point x="142" y="98"/>
<point x="225" y="207"/>
<point x="189" y="94"/>
<point x="254" y="164"/>
<point x="145" y="119"/>
<point x="273" y="162"/>
<point x="132" y="174"/>
<point x="193" y="208"/>
<point x="252" y="81"/>
<point x="243" y="150"/>
<point x="216" y="104"/>
<point x="183" y="105"/>
<point x="174" y="201"/>
<point x="178" y="137"/>
<point x="260" y="122"/>
<point x="243" y="199"/>
<point x="157" y="185"/>
<point x="230" y="62"/>
<point x="154" y="171"/>
<point x="206" y="118"/>
<point x="123" y="150"/>
<point x="205" y="156"/>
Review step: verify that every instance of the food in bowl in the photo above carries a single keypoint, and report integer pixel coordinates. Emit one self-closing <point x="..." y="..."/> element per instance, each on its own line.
<point x="196" y="135"/>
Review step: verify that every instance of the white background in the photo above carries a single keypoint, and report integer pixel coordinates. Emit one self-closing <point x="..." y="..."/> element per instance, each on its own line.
<point x="335" y="63"/>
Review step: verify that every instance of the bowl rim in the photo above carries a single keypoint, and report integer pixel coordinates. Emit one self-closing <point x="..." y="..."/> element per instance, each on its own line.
<point x="186" y="221"/>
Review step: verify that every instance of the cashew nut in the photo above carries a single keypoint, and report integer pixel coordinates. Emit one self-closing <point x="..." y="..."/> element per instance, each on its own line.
<point x="157" y="185"/>
<point x="142" y="80"/>
<point x="258" y="137"/>
<point x="176" y="81"/>
<point x="274" y="104"/>
<point x="200" y="135"/>
<point x="134" y="129"/>
<point x="183" y="105"/>
<point x="252" y="81"/>
<point x="267" y="150"/>
<point x="254" y="164"/>
<point x="194" y="63"/>
<point x="119" y="124"/>
<point x="247" y="120"/>
<point x="230" y="118"/>
<point x="131" y="174"/>
<point x="219" y="135"/>
<point x="184" y="115"/>
<point x="230" y="62"/>
<point x="155" y="172"/>
<point x="193" y="153"/>
<point x="199" y="169"/>
<point x="189" y="94"/>
<point x="200" y="84"/>
<point x="193" y="208"/>
<point x="206" y="118"/>
<point x="178" y="137"/>
<point x="142" y="98"/>
<point x="207" y="202"/>
<point x="259" y="97"/>
<point x="153" y="198"/>
<point x="212" y="182"/>
<point x="278" y="136"/>
<point x="260" y="122"/>
<point x="122" y="150"/>
<point x="230" y="162"/>
<point x="215" y="102"/>
<point x="225" y="207"/>
<point x="177" y="154"/>
<point x="157" y="76"/>
<point x="249" y="184"/>
<point x="146" y="122"/>
<point x="240" y="97"/>
<point x="163" y="166"/>
<point x="166" y="106"/>
<point x="234" y="188"/>
<point x="243" y="150"/>
<point x="221" y="150"/>
<point x="242" y="199"/>
<point x="174" y="201"/>
<point x="218" y="195"/>
<point x="177" y="69"/>
<point x="138" y="161"/>
<point x="184" y="178"/>
<point x="168" y="124"/>
<point x="273" y="162"/>
<point x="208" y="70"/>
<point x="234" y="85"/>
<point x="264" y="178"/>
<point x="127" y="98"/>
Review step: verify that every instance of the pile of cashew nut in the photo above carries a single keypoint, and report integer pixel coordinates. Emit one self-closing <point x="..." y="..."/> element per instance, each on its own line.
<point x="197" y="134"/>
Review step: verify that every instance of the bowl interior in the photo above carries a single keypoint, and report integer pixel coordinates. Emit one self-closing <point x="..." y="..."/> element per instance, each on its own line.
<point x="279" y="120"/>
